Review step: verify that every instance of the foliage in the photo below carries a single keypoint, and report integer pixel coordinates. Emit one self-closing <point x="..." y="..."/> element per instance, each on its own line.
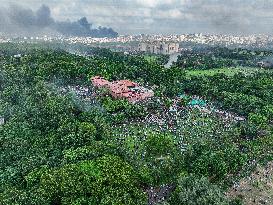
<point x="240" y="94"/>
<point x="58" y="147"/>
<point x="154" y="155"/>
<point x="219" y="57"/>
<point x="191" y="190"/>
<point x="106" y="180"/>
<point x="215" y="161"/>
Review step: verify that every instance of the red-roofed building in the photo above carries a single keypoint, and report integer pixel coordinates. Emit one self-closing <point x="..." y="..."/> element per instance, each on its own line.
<point x="98" y="81"/>
<point x="123" y="89"/>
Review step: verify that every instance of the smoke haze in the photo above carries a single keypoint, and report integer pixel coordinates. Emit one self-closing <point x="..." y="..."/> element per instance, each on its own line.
<point x="19" y="21"/>
<point x="142" y="16"/>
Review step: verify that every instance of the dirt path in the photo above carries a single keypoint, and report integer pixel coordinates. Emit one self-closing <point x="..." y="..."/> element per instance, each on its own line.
<point x="256" y="189"/>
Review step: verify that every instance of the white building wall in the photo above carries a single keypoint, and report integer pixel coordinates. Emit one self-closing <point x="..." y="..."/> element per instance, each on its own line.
<point x="159" y="48"/>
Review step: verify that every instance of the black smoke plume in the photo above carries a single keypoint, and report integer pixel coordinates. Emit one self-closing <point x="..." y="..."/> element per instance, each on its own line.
<point x="83" y="28"/>
<point x="19" y="21"/>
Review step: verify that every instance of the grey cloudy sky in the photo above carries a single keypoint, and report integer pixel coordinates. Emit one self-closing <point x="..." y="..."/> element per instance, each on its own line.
<point x="164" y="16"/>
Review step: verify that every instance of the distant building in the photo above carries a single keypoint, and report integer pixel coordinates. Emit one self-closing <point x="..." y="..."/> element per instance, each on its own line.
<point x="265" y="64"/>
<point x="158" y="47"/>
<point x="125" y="89"/>
<point x="17" y="56"/>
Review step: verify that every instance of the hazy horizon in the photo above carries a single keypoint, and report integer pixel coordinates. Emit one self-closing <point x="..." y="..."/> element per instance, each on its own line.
<point x="139" y="16"/>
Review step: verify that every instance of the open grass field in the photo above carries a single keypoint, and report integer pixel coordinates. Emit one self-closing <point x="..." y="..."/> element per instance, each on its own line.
<point x="150" y="58"/>
<point x="226" y="71"/>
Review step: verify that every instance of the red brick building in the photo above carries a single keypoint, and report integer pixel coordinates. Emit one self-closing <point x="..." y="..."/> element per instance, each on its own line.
<point x="123" y="89"/>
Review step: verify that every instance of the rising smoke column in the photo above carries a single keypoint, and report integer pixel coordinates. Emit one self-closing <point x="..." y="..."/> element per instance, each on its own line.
<point x="19" y="21"/>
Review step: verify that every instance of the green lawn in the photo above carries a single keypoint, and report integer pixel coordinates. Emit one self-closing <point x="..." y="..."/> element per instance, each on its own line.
<point x="150" y="58"/>
<point x="226" y="71"/>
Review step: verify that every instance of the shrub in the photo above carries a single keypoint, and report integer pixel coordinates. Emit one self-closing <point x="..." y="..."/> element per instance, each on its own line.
<point x="191" y="190"/>
<point x="106" y="180"/>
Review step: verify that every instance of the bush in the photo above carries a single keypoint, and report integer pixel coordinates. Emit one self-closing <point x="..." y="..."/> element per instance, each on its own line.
<point x="191" y="190"/>
<point x="106" y="180"/>
<point x="156" y="157"/>
<point x="87" y="130"/>
<point x="216" y="163"/>
<point x="259" y="120"/>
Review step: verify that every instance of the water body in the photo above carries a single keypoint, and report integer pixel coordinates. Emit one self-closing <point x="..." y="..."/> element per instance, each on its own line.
<point x="173" y="59"/>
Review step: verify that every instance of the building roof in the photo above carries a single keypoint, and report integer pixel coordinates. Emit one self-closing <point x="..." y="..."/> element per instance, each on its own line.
<point x="123" y="89"/>
<point x="126" y="83"/>
<point x="99" y="81"/>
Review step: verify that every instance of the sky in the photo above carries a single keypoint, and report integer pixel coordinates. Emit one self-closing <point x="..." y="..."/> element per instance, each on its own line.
<point x="163" y="16"/>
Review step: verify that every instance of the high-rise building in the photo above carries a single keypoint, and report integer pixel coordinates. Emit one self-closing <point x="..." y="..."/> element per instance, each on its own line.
<point x="158" y="47"/>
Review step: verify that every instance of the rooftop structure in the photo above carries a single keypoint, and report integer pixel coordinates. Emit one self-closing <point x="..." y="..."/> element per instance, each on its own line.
<point x="158" y="47"/>
<point x="99" y="81"/>
<point x="125" y="89"/>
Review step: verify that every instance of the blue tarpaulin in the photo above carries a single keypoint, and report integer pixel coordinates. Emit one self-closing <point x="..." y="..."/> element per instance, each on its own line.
<point x="197" y="102"/>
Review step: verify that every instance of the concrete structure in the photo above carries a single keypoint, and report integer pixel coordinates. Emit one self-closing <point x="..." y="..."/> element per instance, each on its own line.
<point x="125" y="89"/>
<point x="158" y="47"/>
<point x="265" y="64"/>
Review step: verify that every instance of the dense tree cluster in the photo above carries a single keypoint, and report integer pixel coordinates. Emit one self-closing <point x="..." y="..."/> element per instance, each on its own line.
<point x="219" y="57"/>
<point x="248" y="95"/>
<point x="57" y="148"/>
